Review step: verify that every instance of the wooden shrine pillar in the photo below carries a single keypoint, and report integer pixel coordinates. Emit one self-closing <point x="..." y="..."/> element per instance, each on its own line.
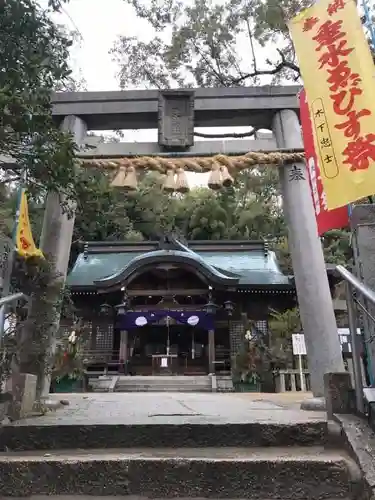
<point x="211" y="351"/>
<point x="124" y="346"/>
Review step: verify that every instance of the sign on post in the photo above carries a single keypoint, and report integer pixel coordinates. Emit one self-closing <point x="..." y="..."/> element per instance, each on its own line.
<point x="299" y="349"/>
<point x="299" y="346"/>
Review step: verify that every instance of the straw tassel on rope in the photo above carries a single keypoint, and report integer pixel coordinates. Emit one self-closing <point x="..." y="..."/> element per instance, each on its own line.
<point x="227" y="179"/>
<point x="119" y="179"/>
<point x="215" y="181"/>
<point x="182" y="185"/>
<point x="131" y="183"/>
<point x="169" y="182"/>
<point x="125" y="178"/>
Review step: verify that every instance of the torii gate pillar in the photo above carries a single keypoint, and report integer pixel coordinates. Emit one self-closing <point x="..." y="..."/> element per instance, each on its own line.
<point x="314" y="296"/>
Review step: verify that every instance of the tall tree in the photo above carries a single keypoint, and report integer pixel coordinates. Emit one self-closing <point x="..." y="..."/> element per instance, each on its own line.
<point x="34" y="55"/>
<point x="220" y="44"/>
<point x="209" y="43"/>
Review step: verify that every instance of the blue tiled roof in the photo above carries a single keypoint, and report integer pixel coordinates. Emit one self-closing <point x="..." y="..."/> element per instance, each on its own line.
<point x="254" y="267"/>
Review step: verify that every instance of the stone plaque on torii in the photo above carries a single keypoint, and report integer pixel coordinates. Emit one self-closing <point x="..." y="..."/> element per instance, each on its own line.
<point x="176" y="119"/>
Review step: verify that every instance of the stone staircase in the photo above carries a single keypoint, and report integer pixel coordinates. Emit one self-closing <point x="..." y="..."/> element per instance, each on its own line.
<point x="178" y="459"/>
<point x="164" y="383"/>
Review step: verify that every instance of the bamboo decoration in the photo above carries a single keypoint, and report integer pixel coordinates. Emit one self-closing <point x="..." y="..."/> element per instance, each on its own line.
<point x="182" y="185"/>
<point x="119" y="179"/>
<point x="215" y="181"/>
<point x="169" y="182"/>
<point x="226" y="177"/>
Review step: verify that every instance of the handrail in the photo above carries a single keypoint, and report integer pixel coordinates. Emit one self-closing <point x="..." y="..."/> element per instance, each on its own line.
<point x="352" y="282"/>
<point x="12" y="298"/>
<point x="356" y="283"/>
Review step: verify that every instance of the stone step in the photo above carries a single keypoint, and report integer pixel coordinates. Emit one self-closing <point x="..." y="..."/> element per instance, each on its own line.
<point x="168" y="385"/>
<point x="131" y="383"/>
<point x="144" y="388"/>
<point x="268" y="473"/>
<point x="123" y="497"/>
<point x="151" y="383"/>
<point x="166" y="378"/>
<point x="177" y="430"/>
<point x="173" y="383"/>
<point x="162" y="388"/>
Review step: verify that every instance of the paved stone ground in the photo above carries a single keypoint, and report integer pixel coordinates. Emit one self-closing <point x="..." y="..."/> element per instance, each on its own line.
<point x="154" y="408"/>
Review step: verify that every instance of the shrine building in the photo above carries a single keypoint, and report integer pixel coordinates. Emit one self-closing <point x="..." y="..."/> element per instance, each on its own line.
<point x="167" y="307"/>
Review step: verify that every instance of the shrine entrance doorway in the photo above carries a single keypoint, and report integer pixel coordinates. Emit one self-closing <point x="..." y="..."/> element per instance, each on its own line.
<point x="170" y="347"/>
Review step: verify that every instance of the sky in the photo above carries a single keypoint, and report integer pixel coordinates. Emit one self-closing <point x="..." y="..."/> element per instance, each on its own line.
<point x="100" y="22"/>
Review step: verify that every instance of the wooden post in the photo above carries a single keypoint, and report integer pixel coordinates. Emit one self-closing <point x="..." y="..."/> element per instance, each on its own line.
<point x="124" y="346"/>
<point x="293" y="382"/>
<point x="282" y="382"/>
<point x="211" y="351"/>
<point x="94" y="334"/>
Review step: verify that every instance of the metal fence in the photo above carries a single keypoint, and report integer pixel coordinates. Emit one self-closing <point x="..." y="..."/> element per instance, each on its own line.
<point x="358" y="295"/>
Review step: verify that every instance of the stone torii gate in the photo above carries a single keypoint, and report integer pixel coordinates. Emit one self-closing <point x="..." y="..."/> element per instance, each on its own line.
<point x="175" y="114"/>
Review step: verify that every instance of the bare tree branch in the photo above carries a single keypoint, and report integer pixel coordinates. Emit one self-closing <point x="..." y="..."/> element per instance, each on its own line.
<point x="251" y="44"/>
<point x="283" y="64"/>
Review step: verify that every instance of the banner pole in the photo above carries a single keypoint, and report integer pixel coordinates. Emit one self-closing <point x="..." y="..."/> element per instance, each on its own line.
<point x="301" y="377"/>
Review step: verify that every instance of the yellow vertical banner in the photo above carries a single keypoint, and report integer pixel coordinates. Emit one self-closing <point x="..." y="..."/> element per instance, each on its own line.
<point x="24" y="238"/>
<point x="339" y="78"/>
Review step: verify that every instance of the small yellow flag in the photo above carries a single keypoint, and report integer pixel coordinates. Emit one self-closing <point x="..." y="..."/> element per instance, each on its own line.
<point x="24" y="237"/>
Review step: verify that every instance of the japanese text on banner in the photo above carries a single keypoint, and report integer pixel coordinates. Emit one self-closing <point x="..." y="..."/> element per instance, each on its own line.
<point x="339" y="75"/>
<point x="325" y="219"/>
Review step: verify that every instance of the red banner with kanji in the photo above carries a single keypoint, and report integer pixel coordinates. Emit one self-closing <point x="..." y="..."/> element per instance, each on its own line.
<point x="325" y="219"/>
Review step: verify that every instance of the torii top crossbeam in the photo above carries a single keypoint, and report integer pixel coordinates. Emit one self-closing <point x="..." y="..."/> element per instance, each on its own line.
<point x="138" y="109"/>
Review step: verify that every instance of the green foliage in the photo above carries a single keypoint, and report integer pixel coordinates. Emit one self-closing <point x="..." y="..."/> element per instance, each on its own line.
<point x="251" y="209"/>
<point x="68" y="358"/>
<point x="199" y="43"/>
<point x="202" y="43"/>
<point x="337" y="247"/>
<point x="34" y="55"/>
<point x="26" y="344"/>
<point x="284" y="324"/>
<point x="249" y="362"/>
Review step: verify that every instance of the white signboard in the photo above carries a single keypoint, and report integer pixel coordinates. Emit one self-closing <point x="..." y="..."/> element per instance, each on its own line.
<point x="164" y="362"/>
<point x="346" y="331"/>
<point x="299" y="346"/>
